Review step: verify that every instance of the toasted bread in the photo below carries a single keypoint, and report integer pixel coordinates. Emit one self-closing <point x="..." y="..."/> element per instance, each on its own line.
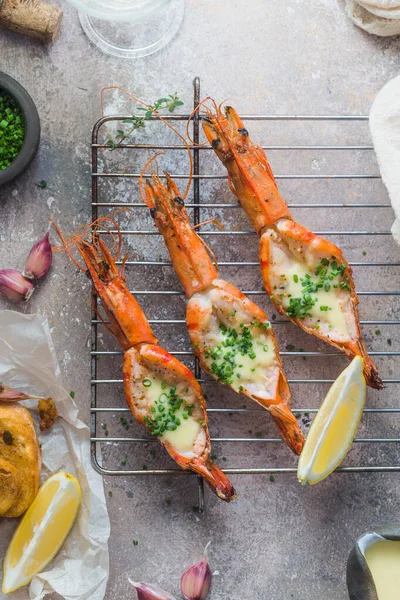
<point x="10" y="485"/>
<point x="20" y="447"/>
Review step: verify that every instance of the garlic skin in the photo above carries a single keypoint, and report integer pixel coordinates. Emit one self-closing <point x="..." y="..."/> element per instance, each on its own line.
<point x="7" y="394"/>
<point x="145" y="591"/>
<point x="196" y="581"/>
<point x="15" y="286"/>
<point x="39" y="259"/>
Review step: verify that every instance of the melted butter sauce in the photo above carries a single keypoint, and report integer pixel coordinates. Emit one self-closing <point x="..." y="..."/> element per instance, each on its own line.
<point x="334" y="316"/>
<point x="251" y="370"/>
<point x="185" y="435"/>
<point x="383" y="559"/>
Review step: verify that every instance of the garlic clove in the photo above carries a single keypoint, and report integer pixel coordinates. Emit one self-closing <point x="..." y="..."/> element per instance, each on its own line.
<point x="39" y="259"/>
<point x="145" y="591"/>
<point x="7" y="394"/>
<point x="196" y="581"/>
<point x="15" y="286"/>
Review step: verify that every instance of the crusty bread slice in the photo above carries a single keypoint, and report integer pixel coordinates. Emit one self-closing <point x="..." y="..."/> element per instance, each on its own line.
<point x="20" y="447"/>
<point x="10" y="485"/>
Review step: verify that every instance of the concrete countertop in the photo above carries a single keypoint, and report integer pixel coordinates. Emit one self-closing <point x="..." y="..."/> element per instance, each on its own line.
<point x="278" y="541"/>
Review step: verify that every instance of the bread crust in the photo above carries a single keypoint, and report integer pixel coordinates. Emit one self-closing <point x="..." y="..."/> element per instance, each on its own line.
<point x="10" y="485"/>
<point x="19" y="446"/>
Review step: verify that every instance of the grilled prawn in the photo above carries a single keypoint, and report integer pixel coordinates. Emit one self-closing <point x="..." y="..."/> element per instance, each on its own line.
<point x="307" y="278"/>
<point x="231" y="336"/>
<point x="161" y="392"/>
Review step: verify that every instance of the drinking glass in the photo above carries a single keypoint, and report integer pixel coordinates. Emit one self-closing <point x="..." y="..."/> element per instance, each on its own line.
<point x="130" y="28"/>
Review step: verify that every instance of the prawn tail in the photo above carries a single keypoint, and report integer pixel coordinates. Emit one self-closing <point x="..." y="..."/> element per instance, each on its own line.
<point x="216" y="479"/>
<point x="371" y="373"/>
<point x="288" y="426"/>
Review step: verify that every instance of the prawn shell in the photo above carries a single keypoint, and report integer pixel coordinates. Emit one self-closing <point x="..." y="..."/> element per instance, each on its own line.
<point x="313" y="242"/>
<point x="157" y="359"/>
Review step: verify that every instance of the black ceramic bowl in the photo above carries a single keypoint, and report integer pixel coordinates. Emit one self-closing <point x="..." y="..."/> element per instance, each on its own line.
<point x="32" y="129"/>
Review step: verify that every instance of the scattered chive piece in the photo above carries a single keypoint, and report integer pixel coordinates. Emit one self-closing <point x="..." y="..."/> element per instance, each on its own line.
<point x="144" y="467"/>
<point x="110" y="494"/>
<point x="72" y="394"/>
<point x="259" y="434"/>
<point x="296" y="278"/>
<point x="364" y="253"/>
<point x="272" y="477"/>
<point x="168" y="501"/>
<point x="224" y="458"/>
<point x="377" y="331"/>
<point x="297" y="415"/>
<point x="42" y="184"/>
<point x="135" y="542"/>
<point x="389" y="341"/>
<point x="146" y="382"/>
<point x="123" y="462"/>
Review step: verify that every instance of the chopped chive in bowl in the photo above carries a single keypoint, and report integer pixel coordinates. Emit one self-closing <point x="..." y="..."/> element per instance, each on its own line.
<point x="12" y="130"/>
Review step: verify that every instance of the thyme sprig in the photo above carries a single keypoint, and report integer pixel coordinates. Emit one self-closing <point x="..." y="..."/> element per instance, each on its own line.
<point x="139" y="121"/>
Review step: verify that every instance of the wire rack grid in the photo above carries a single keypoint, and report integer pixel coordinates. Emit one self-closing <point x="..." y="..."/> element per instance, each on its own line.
<point x="198" y="207"/>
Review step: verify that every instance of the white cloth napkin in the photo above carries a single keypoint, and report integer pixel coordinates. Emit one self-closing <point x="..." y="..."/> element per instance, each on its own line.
<point x="385" y="130"/>
<point x="28" y="363"/>
<point x="379" y="17"/>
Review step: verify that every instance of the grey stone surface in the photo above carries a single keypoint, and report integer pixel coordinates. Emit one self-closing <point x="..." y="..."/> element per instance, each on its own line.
<point x="278" y="541"/>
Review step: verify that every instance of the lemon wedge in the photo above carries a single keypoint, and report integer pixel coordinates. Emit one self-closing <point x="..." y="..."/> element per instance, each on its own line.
<point x="42" y="531"/>
<point x="333" y="429"/>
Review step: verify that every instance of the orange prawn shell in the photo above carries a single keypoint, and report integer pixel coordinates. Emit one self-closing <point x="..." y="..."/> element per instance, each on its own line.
<point x="279" y="406"/>
<point x="316" y="243"/>
<point x="189" y="256"/>
<point x="156" y="358"/>
<point x="250" y="176"/>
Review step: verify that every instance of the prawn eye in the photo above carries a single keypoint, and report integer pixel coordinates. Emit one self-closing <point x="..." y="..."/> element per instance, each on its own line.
<point x="243" y="131"/>
<point x="153" y="212"/>
<point x="179" y="200"/>
<point x="215" y="143"/>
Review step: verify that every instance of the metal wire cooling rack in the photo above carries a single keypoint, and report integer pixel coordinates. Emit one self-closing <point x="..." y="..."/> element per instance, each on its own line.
<point x="99" y="173"/>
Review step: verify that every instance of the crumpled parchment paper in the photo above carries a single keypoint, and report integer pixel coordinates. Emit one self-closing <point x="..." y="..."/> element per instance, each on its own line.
<point x="28" y="363"/>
